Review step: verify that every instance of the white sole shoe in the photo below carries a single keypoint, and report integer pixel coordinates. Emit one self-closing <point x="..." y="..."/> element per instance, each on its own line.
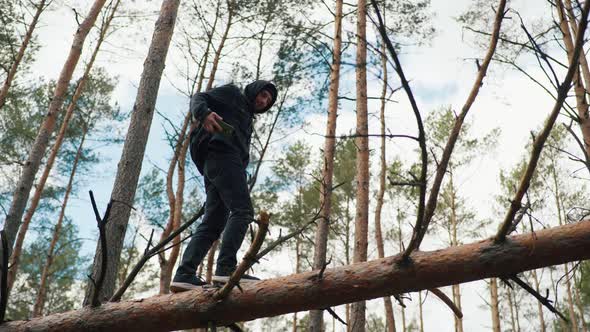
<point x="225" y="279"/>
<point x="177" y="287"/>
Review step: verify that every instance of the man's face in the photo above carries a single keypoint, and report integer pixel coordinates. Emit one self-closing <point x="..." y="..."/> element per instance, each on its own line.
<point x="263" y="99"/>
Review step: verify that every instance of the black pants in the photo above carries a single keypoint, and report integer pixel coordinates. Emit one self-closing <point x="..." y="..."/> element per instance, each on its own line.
<point x="228" y="206"/>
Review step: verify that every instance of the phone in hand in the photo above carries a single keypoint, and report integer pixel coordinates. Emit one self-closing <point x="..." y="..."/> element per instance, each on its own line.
<point x="226" y="128"/>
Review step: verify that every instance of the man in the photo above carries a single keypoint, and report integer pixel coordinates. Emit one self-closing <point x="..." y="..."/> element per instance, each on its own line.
<point x="220" y="145"/>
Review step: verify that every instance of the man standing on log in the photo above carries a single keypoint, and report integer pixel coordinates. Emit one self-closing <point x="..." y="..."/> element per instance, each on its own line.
<point x="220" y="144"/>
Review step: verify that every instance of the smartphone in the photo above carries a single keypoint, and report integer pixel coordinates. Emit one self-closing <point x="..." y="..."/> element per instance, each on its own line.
<point x="226" y="128"/>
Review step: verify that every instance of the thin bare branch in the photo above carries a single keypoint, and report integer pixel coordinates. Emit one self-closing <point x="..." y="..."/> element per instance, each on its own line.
<point x="152" y="252"/>
<point x="248" y="260"/>
<point x="543" y="299"/>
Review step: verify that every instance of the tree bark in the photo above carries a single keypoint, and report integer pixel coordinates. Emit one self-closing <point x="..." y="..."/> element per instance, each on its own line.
<point x="361" y="281"/>
<point x="316" y="318"/>
<point x="25" y="182"/>
<point x="362" y="176"/>
<point x="21" y="52"/>
<point x="18" y="246"/>
<point x="42" y="291"/>
<point x="134" y="149"/>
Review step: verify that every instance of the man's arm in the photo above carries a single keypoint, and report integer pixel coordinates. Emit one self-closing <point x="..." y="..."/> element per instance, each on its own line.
<point x="201" y="104"/>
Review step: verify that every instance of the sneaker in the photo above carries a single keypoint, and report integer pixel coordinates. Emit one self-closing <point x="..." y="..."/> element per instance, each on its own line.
<point x="223" y="277"/>
<point x="184" y="282"/>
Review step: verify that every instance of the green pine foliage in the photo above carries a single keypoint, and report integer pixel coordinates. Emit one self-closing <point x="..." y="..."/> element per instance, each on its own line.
<point x="67" y="274"/>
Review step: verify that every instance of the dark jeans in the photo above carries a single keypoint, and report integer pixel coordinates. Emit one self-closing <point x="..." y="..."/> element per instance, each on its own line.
<point x="228" y="206"/>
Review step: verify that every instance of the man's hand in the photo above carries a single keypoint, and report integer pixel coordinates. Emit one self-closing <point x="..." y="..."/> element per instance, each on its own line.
<point x="210" y="123"/>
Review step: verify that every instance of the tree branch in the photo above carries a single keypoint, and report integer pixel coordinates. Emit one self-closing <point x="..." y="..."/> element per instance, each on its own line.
<point x="544" y="300"/>
<point x="151" y="253"/>
<point x="103" y="247"/>
<point x="248" y="260"/>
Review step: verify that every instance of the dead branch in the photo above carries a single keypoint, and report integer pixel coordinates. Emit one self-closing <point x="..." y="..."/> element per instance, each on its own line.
<point x="543" y="299"/>
<point x="283" y="239"/>
<point x="335" y="315"/>
<point x="443" y="297"/>
<point x="101" y="222"/>
<point x="421" y="135"/>
<point x="151" y="253"/>
<point x="248" y="260"/>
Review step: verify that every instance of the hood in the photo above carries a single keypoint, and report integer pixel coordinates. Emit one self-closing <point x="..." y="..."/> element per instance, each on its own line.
<point x="255" y="87"/>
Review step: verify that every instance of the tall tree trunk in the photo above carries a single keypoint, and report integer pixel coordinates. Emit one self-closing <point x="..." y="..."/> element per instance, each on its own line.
<point x="516" y="311"/>
<point x="15" y="257"/>
<point x="347" y="309"/>
<point x="420" y="307"/>
<point x="401" y="249"/>
<point x="133" y="150"/>
<point x="580" y="91"/>
<point x="362" y="175"/>
<point x="346" y="284"/>
<point x="404" y="325"/>
<point x="168" y="264"/>
<point x="511" y="306"/>
<point x="454" y="242"/>
<point x="42" y="291"/>
<point x="570" y="302"/>
<point x="40" y="7"/>
<point x="25" y="182"/>
<point x="580" y="308"/>
<point x="495" y="305"/>
<point x="562" y="323"/>
<point x="389" y="318"/>
<point x="539" y="305"/>
<point x="557" y="194"/>
<point x="297" y="269"/>
<point x="457" y="300"/>
<point x="210" y="261"/>
<point x="316" y="323"/>
<point x="230" y="16"/>
<point x="179" y="158"/>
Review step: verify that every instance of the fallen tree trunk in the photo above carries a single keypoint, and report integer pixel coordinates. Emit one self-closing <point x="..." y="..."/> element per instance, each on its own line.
<point x="310" y="290"/>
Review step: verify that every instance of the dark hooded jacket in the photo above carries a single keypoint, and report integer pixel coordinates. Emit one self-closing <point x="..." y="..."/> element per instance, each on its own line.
<point x="237" y="109"/>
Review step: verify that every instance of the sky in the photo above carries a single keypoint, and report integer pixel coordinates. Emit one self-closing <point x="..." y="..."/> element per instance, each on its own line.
<point x="441" y="74"/>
